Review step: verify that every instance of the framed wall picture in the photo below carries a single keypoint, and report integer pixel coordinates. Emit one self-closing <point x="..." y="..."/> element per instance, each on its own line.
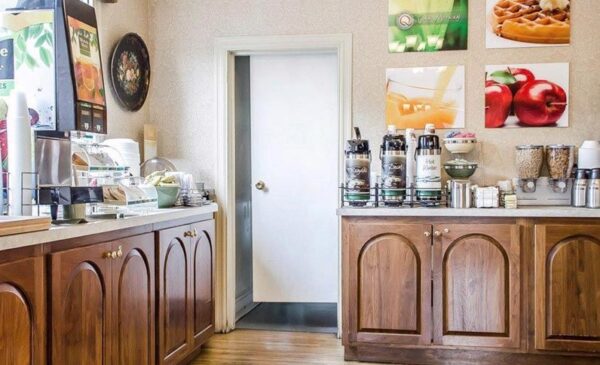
<point x="421" y="95"/>
<point x="130" y="71"/>
<point x="527" y="23"/>
<point x="527" y="95"/>
<point x="428" y="25"/>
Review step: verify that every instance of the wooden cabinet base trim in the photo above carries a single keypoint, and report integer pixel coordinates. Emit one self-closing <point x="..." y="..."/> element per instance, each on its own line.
<point x="437" y="356"/>
<point x="203" y="336"/>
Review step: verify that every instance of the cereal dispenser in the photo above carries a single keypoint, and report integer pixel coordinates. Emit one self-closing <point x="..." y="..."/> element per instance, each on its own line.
<point x="560" y="159"/>
<point x="529" y="161"/>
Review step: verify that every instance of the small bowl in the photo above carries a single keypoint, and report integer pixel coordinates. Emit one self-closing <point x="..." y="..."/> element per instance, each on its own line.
<point x="460" y="145"/>
<point x="460" y="170"/>
<point x="167" y="195"/>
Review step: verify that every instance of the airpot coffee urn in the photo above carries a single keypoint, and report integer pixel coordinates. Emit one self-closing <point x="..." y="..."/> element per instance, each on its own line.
<point x="358" y="168"/>
<point x="393" y="168"/>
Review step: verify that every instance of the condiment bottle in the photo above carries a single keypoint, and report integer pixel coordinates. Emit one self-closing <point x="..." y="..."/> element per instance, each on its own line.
<point x="393" y="167"/>
<point x="358" y="168"/>
<point x="429" y="170"/>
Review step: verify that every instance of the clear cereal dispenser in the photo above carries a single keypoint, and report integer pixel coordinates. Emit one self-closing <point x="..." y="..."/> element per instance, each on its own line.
<point x="529" y="161"/>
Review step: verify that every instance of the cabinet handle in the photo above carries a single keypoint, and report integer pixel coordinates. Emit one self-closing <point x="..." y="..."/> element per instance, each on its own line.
<point x="446" y="230"/>
<point x="107" y="255"/>
<point x="120" y="251"/>
<point x="195" y="233"/>
<point x="437" y="233"/>
<point x="188" y="234"/>
<point x="113" y="255"/>
<point x="427" y="234"/>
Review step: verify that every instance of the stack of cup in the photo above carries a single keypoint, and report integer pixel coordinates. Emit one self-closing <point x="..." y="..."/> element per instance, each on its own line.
<point x="130" y="153"/>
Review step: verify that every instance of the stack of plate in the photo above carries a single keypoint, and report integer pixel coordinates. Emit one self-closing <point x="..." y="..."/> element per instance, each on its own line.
<point x="130" y="153"/>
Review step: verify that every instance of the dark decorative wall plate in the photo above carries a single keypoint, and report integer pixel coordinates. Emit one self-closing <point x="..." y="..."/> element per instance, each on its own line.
<point x="130" y="71"/>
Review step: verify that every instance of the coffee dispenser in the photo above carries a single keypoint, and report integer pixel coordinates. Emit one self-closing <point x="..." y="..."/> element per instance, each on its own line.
<point x="429" y="171"/>
<point x="358" y="170"/>
<point x="393" y="168"/>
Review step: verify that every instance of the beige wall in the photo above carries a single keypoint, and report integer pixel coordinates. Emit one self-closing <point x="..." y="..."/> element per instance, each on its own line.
<point x="182" y="98"/>
<point x="115" y="20"/>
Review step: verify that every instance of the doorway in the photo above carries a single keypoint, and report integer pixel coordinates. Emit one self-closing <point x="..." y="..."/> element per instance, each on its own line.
<point x="291" y="287"/>
<point x="286" y="108"/>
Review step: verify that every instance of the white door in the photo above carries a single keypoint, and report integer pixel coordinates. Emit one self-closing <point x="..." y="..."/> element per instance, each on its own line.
<point x="294" y="113"/>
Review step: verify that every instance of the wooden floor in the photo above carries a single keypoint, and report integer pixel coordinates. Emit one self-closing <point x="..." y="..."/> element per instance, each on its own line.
<point x="266" y="347"/>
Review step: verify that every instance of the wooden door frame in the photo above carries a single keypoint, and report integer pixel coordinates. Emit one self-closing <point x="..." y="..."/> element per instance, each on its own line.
<point x="225" y="51"/>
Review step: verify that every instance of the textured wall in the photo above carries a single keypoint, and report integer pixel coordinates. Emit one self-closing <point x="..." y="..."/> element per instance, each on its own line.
<point x="115" y="20"/>
<point x="182" y="100"/>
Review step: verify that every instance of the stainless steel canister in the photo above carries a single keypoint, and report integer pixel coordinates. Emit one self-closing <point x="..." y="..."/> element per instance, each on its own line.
<point x="460" y="194"/>
<point x="579" y="190"/>
<point x="593" y="190"/>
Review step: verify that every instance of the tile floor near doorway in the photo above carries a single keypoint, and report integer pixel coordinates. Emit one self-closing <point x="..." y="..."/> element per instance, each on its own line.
<point x="251" y="347"/>
<point x="292" y="317"/>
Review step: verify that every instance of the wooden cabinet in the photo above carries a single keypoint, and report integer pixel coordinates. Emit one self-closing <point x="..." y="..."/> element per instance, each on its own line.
<point x="22" y="313"/>
<point x="390" y="283"/>
<point x="174" y="282"/>
<point x="133" y="301"/>
<point x="567" y="287"/>
<point x="185" y="287"/>
<point x="418" y="284"/>
<point x="203" y="282"/>
<point x="476" y="285"/>
<point x="102" y="300"/>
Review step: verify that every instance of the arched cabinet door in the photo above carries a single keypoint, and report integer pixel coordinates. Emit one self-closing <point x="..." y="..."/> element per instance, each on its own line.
<point x="174" y="309"/>
<point x="133" y="301"/>
<point x="476" y="285"/>
<point x="567" y="287"/>
<point x="22" y="312"/>
<point x="80" y="300"/>
<point x="388" y="283"/>
<point x="202" y="252"/>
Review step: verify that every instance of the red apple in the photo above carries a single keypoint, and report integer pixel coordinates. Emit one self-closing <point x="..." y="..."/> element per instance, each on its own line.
<point x="523" y="76"/>
<point x="498" y="100"/>
<point x="540" y="103"/>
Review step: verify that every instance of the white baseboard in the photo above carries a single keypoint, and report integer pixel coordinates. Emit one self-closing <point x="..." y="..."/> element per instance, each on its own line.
<point x="245" y="303"/>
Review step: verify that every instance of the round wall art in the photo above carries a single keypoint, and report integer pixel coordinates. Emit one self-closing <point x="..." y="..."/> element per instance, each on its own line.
<point x="130" y="71"/>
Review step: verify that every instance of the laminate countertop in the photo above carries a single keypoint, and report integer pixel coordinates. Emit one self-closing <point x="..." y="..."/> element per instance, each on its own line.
<point x="58" y="233"/>
<point x="523" y="212"/>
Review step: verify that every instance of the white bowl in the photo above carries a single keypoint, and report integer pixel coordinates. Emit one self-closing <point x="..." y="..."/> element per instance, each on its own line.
<point x="460" y="145"/>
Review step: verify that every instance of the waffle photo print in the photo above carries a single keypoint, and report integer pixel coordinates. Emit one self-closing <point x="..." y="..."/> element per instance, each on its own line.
<point x="528" y="23"/>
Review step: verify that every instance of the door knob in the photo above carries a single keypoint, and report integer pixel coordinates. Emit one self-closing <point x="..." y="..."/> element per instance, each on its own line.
<point x="260" y="185"/>
<point x="437" y="233"/>
<point x="427" y="234"/>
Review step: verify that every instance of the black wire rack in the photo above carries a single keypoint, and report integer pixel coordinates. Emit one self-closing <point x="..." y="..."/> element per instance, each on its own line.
<point x="378" y="197"/>
<point x="29" y="183"/>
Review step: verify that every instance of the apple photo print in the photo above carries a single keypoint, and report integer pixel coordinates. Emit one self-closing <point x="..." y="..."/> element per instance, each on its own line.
<point x="527" y="95"/>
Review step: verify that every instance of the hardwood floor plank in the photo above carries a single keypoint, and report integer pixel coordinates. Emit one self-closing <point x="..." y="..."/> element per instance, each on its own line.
<point x="251" y="347"/>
